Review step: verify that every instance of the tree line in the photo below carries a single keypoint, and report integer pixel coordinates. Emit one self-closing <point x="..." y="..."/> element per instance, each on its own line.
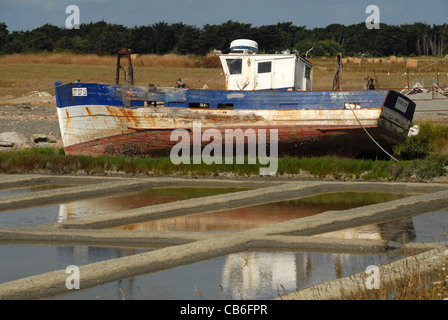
<point x="162" y="38"/>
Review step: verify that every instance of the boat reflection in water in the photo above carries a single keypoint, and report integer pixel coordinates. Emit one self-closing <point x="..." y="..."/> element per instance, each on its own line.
<point x="265" y="214"/>
<point x="127" y="201"/>
<point x="266" y="275"/>
<point x="227" y="220"/>
<point x="255" y="275"/>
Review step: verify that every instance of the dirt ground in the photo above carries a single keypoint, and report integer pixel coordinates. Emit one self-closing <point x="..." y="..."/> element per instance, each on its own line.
<point x="36" y="125"/>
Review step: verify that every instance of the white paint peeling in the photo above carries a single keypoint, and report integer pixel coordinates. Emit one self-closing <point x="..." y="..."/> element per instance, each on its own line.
<point x="77" y="126"/>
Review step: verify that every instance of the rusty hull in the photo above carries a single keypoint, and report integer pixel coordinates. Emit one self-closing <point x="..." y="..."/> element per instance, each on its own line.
<point x="97" y="130"/>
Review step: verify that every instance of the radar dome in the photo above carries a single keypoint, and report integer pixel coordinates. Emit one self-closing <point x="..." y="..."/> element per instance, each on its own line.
<point x="243" y="44"/>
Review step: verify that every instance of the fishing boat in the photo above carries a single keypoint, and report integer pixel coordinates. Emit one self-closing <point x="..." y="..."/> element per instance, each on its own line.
<point x="263" y="93"/>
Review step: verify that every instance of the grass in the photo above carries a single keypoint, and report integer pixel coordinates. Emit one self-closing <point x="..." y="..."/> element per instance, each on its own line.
<point x="16" y="80"/>
<point x="50" y="160"/>
<point x="431" y="139"/>
<point x="414" y="285"/>
<point x="422" y="157"/>
<point x="146" y="60"/>
<point x="22" y="73"/>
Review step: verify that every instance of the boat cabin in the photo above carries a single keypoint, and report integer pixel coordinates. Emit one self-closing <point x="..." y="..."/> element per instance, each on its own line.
<point x="244" y="69"/>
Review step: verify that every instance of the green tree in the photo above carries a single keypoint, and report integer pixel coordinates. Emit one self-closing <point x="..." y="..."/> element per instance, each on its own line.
<point x="163" y="38"/>
<point x="321" y="48"/>
<point x="303" y="46"/>
<point x="187" y="39"/>
<point x="4" y="33"/>
<point x="75" y="44"/>
<point x="142" y="39"/>
<point x="220" y="36"/>
<point x="276" y="38"/>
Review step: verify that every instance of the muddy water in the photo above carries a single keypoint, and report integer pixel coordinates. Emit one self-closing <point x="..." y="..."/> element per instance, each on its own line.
<point x="266" y="214"/>
<point x="426" y="227"/>
<point x="21" y="190"/>
<point x="101" y="205"/>
<point x="238" y="219"/>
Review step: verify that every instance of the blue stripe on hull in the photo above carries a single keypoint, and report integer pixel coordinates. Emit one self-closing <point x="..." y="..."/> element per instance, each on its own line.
<point x="119" y="95"/>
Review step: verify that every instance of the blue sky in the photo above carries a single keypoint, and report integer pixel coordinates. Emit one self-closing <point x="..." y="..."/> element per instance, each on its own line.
<point x="29" y="14"/>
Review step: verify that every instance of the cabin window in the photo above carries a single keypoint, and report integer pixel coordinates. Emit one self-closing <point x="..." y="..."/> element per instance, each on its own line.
<point x="234" y="65"/>
<point x="225" y="105"/>
<point x="198" y="105"/>
<point x="153" y="103"/>
<point x="264" y="67"/>
<point x="308" y="73"/>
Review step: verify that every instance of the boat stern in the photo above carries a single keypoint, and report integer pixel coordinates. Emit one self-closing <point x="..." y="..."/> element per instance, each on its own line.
<point x="396" y="116"/>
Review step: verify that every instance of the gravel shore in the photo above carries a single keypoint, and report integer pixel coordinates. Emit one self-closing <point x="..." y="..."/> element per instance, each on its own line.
<point x="37" y="126"/>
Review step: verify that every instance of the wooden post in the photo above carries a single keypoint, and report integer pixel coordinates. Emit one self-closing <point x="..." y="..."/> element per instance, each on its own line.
<point x="437" y="76"/>
<point x="131" y="70"/>
<point x="117" y="76"/>
<point x="407" y="74"/>
<point x="124" y="52"/>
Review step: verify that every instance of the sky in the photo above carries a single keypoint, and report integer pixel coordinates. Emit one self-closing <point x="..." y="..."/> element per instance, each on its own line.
<point x="22" y="15"/>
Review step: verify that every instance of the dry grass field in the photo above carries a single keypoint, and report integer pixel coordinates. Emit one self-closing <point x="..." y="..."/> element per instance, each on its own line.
<point x="24" y="73"/>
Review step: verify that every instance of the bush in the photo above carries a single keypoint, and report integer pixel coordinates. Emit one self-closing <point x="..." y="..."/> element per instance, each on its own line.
<point x="423" y="169"/>
<point x="431" y="139"/>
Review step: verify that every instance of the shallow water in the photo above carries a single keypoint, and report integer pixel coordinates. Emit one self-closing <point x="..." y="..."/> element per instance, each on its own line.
<point x="245" y="275"/>
<point x="23" y="260"/>
<point x="20" y="260"/>
<point x="102" y="205"/>
<point x="265" y="214"/>
<point x="426" y="227"/>
<point x="237" y="219"/>
<point x="28" y="189"/>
